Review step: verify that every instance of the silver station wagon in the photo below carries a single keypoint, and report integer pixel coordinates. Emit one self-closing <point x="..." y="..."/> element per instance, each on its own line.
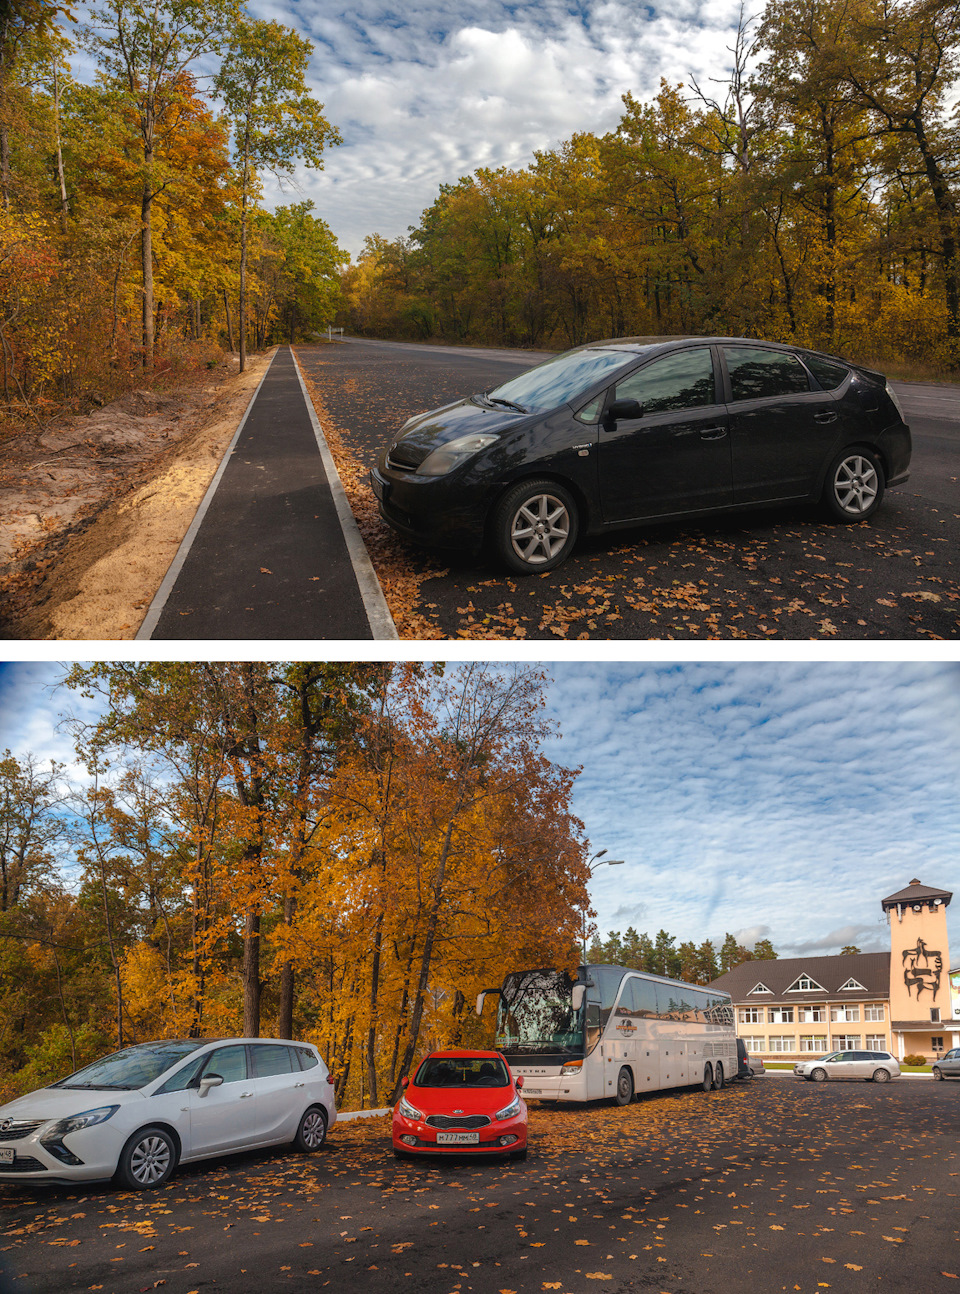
<point x="873" y="1066"/>
<point x="948" y="1066"/>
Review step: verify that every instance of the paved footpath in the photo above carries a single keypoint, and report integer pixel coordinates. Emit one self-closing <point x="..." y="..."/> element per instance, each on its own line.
<point x="274" y="552"/>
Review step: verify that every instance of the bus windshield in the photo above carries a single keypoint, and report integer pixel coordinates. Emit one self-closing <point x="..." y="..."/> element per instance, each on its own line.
<point x="536" y="1014"/>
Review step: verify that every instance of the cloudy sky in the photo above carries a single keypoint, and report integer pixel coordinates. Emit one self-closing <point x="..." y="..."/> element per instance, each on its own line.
<point x="424" y="92"/>
<point x="778" y="800"/>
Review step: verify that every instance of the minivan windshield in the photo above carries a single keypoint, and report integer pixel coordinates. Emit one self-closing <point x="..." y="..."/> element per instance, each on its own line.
<point x="134" y="1066"/>
<point x="559" y="381"/>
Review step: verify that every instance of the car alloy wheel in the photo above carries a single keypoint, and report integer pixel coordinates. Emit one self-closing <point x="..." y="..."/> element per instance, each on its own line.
<point x="312" y="1132"/>
<point x="819" y="1075"/>
<point x="937" y="1073"/>
<point x="854" y="485"/>
<point x="881" y="1076"/>
<point x="147" y="1160"/>
<point x="535" y="526"/>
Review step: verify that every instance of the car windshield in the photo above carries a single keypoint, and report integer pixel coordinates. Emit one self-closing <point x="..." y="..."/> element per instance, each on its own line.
<point x="834" y="1055"/>
<point x="560" y="380"/>
<point x="462" y="1071"/>
<point x="133" y="1067"/>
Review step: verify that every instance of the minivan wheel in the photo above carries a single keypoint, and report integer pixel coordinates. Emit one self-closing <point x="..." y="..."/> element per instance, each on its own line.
<point x="312" y="1132"/>
<point x="854" y="485"/>
<point x="534" y="526"/>
<point x="707" y="1077"/>
<point x="881" y="1076"/>
<point x="147" y="1160"/>
<point x="624" y="1087"/>
<point x="818" y="1075"/>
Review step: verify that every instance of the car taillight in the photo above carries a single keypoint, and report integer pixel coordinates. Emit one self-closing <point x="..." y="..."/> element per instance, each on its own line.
<point x="329" y="1078"/>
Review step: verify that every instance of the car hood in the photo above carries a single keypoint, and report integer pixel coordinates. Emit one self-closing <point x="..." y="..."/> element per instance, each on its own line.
<point x="414" y="442"/>
<point x="61" y="1102"/>
<point x="445" y="1100"/>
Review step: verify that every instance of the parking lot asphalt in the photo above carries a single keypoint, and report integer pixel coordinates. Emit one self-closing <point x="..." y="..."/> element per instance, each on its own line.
<point x="767" y="575"/>
<point x="769" y="1186"/>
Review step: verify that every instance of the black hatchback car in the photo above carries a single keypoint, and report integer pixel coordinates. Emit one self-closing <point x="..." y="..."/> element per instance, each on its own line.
<point x="621" y="432"/>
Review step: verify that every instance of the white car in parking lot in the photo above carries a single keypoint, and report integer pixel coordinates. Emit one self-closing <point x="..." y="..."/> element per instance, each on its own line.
<point x="138" y="1113"/>
<point x="875" y="1066"/>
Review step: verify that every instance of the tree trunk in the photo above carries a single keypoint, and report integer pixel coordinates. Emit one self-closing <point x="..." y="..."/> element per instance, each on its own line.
<point x="146" y="257"/>
<point x="64" y="205"/>
<point x="251" y="975"/>
<point x="243" y="277"/>
<point x="226" y="311"/>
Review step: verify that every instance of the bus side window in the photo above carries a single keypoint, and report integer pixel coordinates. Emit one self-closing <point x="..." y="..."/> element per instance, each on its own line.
<point x="643" y="995"/>
<point x="593" y="1025"/>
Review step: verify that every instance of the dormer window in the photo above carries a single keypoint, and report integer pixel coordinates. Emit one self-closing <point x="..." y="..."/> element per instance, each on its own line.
<point x="806" y="985"/>
<point x="760" y="988"/>
<point x="852" y="986"/>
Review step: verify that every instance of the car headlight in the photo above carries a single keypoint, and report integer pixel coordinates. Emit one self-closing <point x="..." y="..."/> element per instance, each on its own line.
<point x="52" y="1139"/>
<point x="409" y="1111"/>
<point x="509" y="1111"/>
<point x="446" y="457"/>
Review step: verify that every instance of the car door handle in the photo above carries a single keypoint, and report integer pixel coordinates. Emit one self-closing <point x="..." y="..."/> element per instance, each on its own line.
<point x="244" y="1095"/>
<point x="298" y="1085"/>
<point x="828" y="416"/>
<point x="713" y="433"/>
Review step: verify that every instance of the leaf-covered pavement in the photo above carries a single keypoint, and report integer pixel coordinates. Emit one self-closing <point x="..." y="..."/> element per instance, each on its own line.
<point x="766" y="575"/>
<point x="777" y="1185"/>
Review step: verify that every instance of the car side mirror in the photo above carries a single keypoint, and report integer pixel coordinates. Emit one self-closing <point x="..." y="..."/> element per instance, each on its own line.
<point x="519" y="1082"/>
<point x="404" y="1082"/>
<point x="208" y="1081"/>
<point x="627" y="409"/>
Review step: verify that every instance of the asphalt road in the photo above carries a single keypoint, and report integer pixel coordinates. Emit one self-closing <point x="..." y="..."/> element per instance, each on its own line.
<point x="778" y="1185"/>
<point x="784" y="574"/>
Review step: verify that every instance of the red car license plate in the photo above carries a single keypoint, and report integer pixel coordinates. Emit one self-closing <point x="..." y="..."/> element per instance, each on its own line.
<point x="458" y="1138"/>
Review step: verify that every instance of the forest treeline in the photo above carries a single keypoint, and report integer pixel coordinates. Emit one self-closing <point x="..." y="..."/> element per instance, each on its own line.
<point x="662" y="955"/>
<point x="132" y="237"/>
<point x="813" y="198"/>
<point x="345" y="853"/>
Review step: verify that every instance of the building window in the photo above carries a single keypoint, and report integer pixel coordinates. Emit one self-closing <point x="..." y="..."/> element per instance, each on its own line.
<point x="846" y="1042"/>
<point x="755" y="1044"/>
<point x="751" y="1015"/>
<point x="876" y="1042"/>
<point x="873" y="1012"/>
<point x="848" y="1013"/>
<point x="805" y="985"/>
<point x="782" y="1044"/>
<point x="934" y="1015"/>
<point x="853" y="986"/>
<point x="759" y="988"/>
<point x="936" y="1044"/>
<point x="813" y="1042"/>
<point x="812" y="1014"/>
<point x="780" y="1015"/>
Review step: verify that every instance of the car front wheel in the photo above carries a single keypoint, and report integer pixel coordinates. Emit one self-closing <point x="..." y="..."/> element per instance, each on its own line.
<point x="854" y="486"/>
<point x="819" y="1075"/>
<point x="881" y="1076"/>
<point x="312" y="1132"/>
<point x="147" y="1160"/>
<point x="938" y="1073"/>
<point x="534" y="526"/>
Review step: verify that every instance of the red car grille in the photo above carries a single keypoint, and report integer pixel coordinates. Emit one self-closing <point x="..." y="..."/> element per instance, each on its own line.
<point x="458" y="1120"/>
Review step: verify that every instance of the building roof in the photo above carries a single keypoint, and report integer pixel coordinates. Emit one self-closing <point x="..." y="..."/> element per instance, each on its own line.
<point x="916" y="893"/>
<point x="920" y="1026"/>
<point x="872" y="970"/>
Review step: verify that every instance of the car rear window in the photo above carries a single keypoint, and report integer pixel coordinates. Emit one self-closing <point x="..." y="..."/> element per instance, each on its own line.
<point x="459" y="1071"/>
<point x="756" y="373"/>
<point x="827" y="373"/>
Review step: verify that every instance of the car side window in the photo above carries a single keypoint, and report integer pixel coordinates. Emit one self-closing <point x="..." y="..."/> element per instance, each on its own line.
<point x="680" y="381"/>
<point x="182" y="1078"/>
<point x="307" y="1059"/>
<point x="756" y="373"/>
<point x="830" y="376"/>
<point x="271" y="1059"/>
<point x="229" y="1062"/>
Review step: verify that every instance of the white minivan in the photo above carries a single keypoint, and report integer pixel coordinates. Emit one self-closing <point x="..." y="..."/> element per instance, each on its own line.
<point x="137" y="1113"/>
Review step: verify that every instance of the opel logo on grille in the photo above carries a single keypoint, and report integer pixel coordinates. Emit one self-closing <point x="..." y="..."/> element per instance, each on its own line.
<point x="7" y="1123"/>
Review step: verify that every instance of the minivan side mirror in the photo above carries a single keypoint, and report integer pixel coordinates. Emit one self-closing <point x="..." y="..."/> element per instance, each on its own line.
<point x="208" y="1081"/>
<point x="627" y="409"/>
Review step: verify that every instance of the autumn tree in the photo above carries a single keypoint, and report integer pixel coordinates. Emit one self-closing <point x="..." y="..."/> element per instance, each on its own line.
<point x="274" y="119"/>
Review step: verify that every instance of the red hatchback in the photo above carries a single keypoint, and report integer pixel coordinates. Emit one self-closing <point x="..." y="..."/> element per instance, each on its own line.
<point x="461" y="1102"/>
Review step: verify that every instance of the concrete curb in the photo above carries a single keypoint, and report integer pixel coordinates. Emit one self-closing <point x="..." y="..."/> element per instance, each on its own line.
<point x="362" y="1114"/>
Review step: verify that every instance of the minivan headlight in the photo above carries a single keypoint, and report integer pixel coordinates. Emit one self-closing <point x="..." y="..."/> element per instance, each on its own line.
<point x="77" y="1121"/>
<point x="446" y="457"/>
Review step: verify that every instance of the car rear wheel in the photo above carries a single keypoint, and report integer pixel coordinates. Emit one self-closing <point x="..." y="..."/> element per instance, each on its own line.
<point x="147" y="1160"/>
<point x="312" y="1132"/>
<point x="624" y="1087"/>
<point x="707" y="1077"/>
<point x="818" y="1075"/>
<point x="938" y="1073"/>
<point x="854" y="486"/>
<point x="534" y="526"/>
<point x="718" y="1079"/>
<point x="881" y="1076"/>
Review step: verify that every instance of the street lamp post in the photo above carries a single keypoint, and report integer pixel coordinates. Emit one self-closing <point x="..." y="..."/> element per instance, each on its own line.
<point x="592" y="866"/>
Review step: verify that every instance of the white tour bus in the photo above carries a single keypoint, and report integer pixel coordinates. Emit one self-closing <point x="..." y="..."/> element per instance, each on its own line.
<point x="612" y="1032"/>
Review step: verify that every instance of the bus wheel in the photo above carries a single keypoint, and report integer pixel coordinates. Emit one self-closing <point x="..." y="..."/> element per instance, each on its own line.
<point x="624" y="1087"/>
<point x="718" y="1077"/>
<point x="707" y="1078"/>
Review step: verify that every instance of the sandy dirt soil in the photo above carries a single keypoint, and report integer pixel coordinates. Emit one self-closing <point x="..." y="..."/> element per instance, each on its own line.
<point x="93" y="508"/>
